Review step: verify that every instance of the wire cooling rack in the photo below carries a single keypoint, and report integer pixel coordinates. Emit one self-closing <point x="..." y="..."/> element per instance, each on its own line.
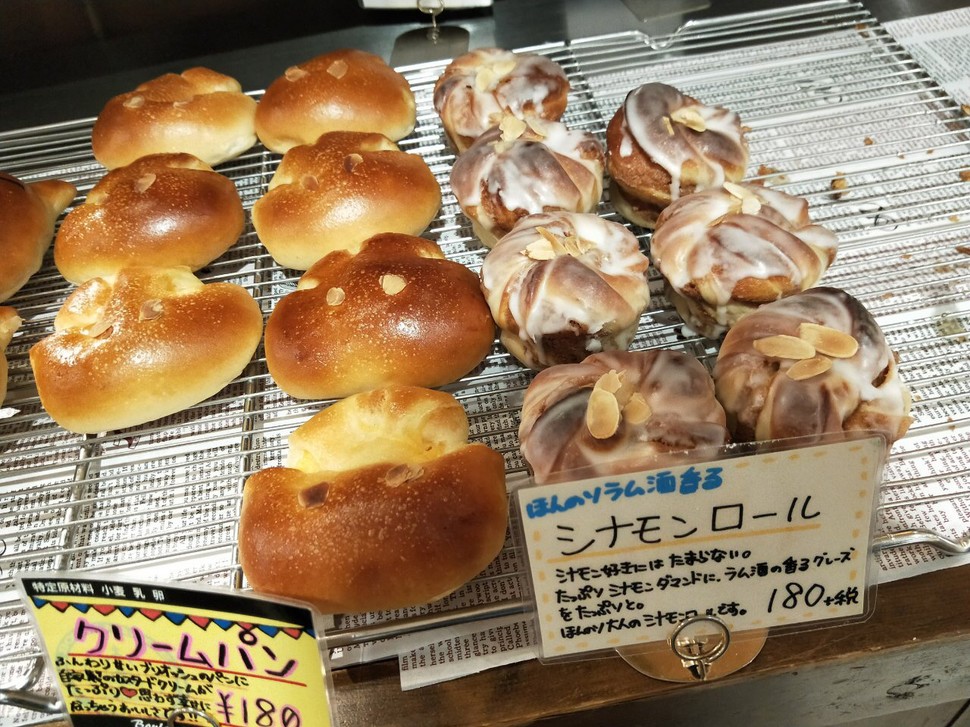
<point x="837" y="112"/>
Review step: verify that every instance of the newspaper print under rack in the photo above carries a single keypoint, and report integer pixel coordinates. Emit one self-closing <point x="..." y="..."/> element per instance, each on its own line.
<point x="838" y="113"/>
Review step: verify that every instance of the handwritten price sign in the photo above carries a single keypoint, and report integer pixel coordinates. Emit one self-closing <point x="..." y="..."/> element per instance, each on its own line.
<point x="127" y="654"/>
<point x="760" y="541"/>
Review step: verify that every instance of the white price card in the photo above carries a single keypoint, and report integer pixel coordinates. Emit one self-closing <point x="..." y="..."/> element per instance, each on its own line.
<point x="764" y="540"/>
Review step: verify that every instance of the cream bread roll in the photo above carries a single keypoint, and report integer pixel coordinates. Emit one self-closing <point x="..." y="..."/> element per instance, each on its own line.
<point x="28" y="214"/>
<point x="163" y="210"/>
<point x="336" y="193"/>
<point x="397" y="312"/>
<point x="9" y="323"/>
<point x="383" y="504"/>
<point x="199" y="112"/>
<point x="346" y="90"/>
<point x="140" y="345"/>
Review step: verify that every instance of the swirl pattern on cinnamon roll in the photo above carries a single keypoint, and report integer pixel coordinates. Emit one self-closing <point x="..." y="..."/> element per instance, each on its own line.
<point x="520" y="168"/>
<point x="619" y="411"/>
<point x="724" y="252"/>
<point x="478" y="88"/>
<point x="810" y="364"/>
<point x="663" y="144"/>
<point x="562" y="285"/>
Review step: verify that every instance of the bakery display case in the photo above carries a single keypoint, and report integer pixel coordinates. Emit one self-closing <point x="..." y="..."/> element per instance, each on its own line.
<point x="835" y="111"/>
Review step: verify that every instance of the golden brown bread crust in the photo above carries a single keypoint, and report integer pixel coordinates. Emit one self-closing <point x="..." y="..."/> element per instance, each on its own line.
<point x="200" y="112"/>
<point x="9" y="323"/>
<point x="662" y="145"/>
<point x="397" y="312"/>
<point x="28" y="213"/>
<point x="384" y="504"/>
<point x="138" y="346"/>
<point x="479" y="87"/>
<point x="334" y="194"/>
<point x="163" y="210"/>
<point x="346" y="90"/>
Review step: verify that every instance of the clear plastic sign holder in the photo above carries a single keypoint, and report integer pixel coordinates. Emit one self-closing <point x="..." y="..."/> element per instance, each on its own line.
<point x="685" y="570"/>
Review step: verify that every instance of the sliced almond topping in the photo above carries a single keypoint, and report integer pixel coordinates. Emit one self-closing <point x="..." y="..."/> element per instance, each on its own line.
<point x="828" y="341"/>
<point x="150" y="310"/>
<point x="401" y="473"/>
<point x="783" y="346"/>
<point x="808" y="367"/>
<point x="539" y="126"/>
<point x="602" y="414"/>
<point x="575" y="246"/>
<point x="180" y="104"/>
<point x="335" y="296"/>
<point x="393" y="284"/>
<point x="539" y="250"/>
<point x="637" y="410"/>
<point x="484" y="78"/>
<point x="310" y="183"/>
<point x="351" y="161"/>
<point x="101" y="329"/>
<point x="337" y="69"/>
<point x="751" y="205"/>
<point x="295" y="73"/>
<point x="548" y="234"/>
<point x="314" y="495"/>
<point x="144" y="182"/>
<point x="689" y="117"/>
<point x="512" y="127"/>
<point x="735" y="190"/>
<point x="135" y="102"/>
<point x="610" y="381"/>
<point x="667" y="125"/>
<point x="504" y="68"/>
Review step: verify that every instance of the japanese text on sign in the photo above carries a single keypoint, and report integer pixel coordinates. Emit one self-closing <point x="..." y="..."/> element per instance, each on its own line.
<point x="764" y="540"/>
<point x="124" y="652"/>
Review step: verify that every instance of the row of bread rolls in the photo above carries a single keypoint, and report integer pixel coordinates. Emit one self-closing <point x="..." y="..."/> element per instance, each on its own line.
<point x="205" y="113"/>
<point x="383" y="501"/>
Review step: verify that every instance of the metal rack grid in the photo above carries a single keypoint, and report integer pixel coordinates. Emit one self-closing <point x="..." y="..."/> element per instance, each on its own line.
<point x="826" y="93"/>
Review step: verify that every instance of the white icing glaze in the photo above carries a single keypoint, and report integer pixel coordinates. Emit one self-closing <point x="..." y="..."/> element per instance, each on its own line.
<point x="647" y="123"/>
<point x="862" y="391"/>
<point x="522" y="91"/>
<point x="684" y="415"/>
<point x="560" y="169"/>
<point x="599" y="292"/>
<point x="705" y="240"/>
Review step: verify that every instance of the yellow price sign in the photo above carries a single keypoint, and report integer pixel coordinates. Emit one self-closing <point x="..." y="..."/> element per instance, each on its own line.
<point x="125" y="653"/>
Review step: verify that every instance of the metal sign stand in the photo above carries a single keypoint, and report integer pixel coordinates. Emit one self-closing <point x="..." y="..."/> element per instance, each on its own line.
<point x="700" y="648"/>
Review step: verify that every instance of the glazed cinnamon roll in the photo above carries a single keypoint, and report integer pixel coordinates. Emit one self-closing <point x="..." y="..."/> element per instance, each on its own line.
<point x="662" y="144"/>
<point x="813" y="363"/>
<point x="520" y="168"/>
<point x="563" y="285"/>
<point x="619" y="411"/>
<point x="480" y="87"/>
<point x="724" y="252"/>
